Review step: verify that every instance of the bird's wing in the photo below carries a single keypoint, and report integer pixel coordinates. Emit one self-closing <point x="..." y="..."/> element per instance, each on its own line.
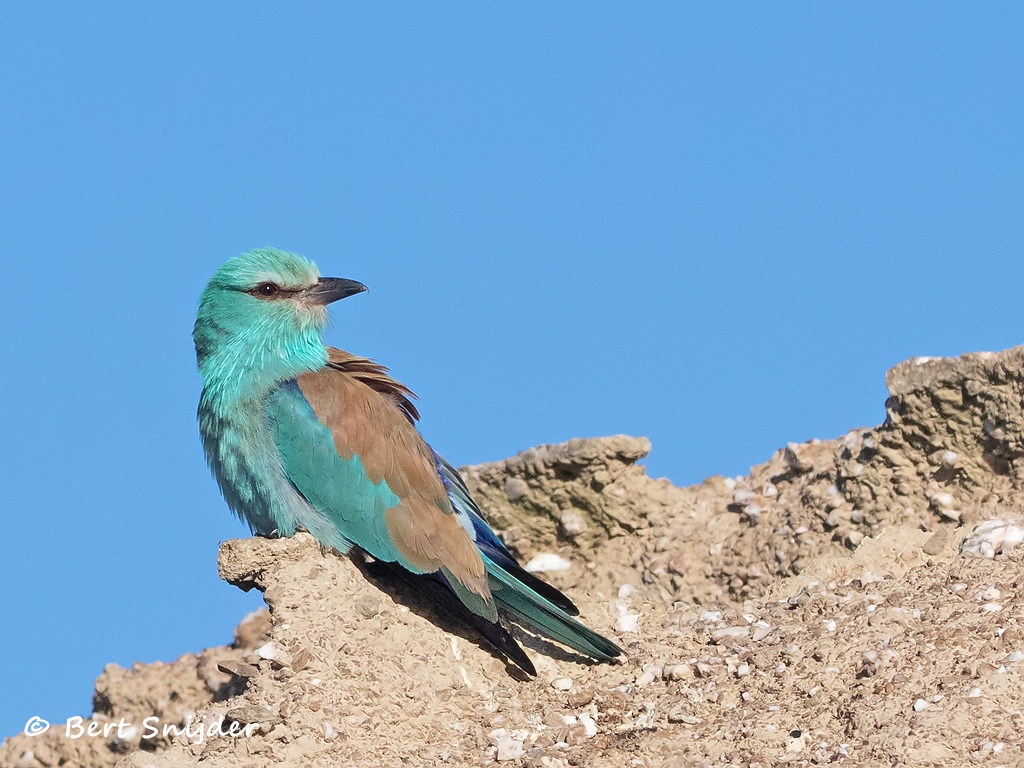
<point x="532" y="602"/>
<point x="349" y="446"/>
<point x="348" y="439"/>
<point x="487" y="540"/>
<point x="376" y="377"/>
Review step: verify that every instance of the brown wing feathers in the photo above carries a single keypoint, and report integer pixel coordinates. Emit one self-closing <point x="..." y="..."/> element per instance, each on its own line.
<point x="375" y="376"/>
<point x="371" y="415"/>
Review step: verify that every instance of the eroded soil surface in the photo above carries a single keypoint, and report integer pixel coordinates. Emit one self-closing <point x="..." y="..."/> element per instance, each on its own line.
<point x="835" y="606"/>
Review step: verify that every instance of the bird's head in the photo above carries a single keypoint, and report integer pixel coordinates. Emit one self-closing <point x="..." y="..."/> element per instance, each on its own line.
<point x="260" y="319"/>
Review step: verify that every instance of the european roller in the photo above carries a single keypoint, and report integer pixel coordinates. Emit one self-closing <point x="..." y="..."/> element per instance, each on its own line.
<point x="301" y="436"/>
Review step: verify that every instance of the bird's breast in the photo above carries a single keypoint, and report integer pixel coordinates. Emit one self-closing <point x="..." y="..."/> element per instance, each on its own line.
<point x="246" y="462"/>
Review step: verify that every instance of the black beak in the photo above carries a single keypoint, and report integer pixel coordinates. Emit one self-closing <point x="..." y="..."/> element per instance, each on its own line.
<point x="328" y="289"/>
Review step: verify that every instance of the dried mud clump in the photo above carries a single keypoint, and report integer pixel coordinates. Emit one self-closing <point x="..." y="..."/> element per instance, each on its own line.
<point x="838" y="605"/>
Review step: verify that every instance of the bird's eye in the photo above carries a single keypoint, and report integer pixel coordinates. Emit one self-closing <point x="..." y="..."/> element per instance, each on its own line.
<point x="265" y="290"/>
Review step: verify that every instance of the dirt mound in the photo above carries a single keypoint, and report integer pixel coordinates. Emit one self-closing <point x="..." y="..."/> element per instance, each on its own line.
<point x="172" y="693"/>
<point x="823" y="609"/>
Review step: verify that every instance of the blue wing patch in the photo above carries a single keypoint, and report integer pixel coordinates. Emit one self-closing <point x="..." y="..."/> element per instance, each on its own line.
<point x="491" y="547"/>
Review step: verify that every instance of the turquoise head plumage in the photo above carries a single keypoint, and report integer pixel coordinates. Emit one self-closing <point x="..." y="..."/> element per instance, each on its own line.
<point x="260" y="321"/>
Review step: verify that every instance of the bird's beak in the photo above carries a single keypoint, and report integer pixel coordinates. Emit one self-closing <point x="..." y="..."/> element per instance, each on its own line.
<point x="328" y="289"/>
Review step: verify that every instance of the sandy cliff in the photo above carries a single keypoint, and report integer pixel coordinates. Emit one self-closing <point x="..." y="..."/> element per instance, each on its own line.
<point x="826" y="608"/>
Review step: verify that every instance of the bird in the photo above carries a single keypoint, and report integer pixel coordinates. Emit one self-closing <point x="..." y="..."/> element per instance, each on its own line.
<point x="301" y="436"/>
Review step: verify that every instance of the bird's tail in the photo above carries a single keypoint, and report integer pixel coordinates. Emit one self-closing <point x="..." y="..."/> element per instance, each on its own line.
<point x="537" y="613"/>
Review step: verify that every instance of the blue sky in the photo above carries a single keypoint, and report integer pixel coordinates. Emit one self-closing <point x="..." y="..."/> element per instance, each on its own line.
<point x="714" y="225"/>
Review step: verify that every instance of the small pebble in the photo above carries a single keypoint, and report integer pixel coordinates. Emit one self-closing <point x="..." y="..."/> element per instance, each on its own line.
<point x="992" y="593"/>
<point x="681" y="672"/>
<point x="579" y="699"/>
<point x="726" y="633"/>
<point x="267" y="651"/>
<point x="561" y="683"/>
<point x="368" y="606"/>
<point x="936" y="543"/>
<point x="589" y="726"/>
<point x="238" y="668"/>
<point x="515" y="489"/>
<point x="678" y="715"/>
<point x="273" y="653"/>
<point x="497" y="735"/>
<point x="509" y="749"/>
<point x="547" y="562"/>
<point x="648" y="676"/>
<point x="743" y="496"/>
<point x="573" y="523"/>
<point x="993" y="536"/>
<point x="628" y="621"/>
